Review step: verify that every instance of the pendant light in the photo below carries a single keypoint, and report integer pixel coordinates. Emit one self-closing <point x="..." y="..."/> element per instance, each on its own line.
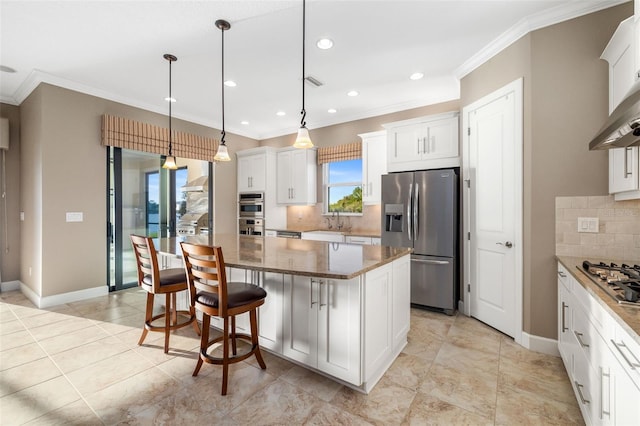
<point x="222" y="154"/>
<point x="303" y="140"/>
<point x="170" y="160"/>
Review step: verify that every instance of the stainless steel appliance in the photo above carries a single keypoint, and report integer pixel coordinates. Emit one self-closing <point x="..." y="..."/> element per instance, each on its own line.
<point x="420" y="210"/>
<point x="192" y="224"/>
<point x="251" y="204"/>
<point x="622" y="283"/>
<point x="622" y="128"/>
<point x="250" y="226"/>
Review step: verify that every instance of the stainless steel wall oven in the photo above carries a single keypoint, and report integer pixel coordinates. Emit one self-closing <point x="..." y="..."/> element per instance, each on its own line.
<point x="251" y="205"/>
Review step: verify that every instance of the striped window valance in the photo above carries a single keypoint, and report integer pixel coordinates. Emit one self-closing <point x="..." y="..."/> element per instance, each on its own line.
<point x="349" y="151"/>
<point x="129" y="134"/>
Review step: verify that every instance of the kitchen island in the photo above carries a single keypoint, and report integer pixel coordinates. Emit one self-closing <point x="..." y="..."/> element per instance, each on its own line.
<point x="339" y="309"/>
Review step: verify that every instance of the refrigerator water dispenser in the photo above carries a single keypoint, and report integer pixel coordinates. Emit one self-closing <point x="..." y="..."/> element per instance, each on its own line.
<point x="393" y="217"/>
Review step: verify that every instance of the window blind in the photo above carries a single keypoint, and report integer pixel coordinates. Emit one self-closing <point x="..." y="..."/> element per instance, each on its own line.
<point x="349" y="151"/>
<point x="137" y="136"/>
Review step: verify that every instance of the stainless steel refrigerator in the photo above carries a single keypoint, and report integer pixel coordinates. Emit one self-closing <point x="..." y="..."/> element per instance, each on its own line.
<point x="420" y="210"/>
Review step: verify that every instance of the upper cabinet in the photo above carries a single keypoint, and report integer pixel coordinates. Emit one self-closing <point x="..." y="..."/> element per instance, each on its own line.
<point x="296" y="180"/>
<point x="424" y="143"/>
<point x="252" y="171"/>
<point x="623" y="55"/>
<point x="374" y="165"/>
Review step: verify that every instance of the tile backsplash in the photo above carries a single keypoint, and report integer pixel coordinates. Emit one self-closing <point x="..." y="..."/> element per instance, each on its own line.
<point x="310" y="217"/>
<point x="618" y="234"/>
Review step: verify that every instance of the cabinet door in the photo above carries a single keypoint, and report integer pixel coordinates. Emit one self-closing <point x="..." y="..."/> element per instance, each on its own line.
<point x="623" y="400"/>
<point x="301" y="319"/>
<point x="351" y="239"/>
<point x="251" y="173"/>
<point x="283" y="190"/>
<point x="270" y="314"/>
<point x="441" y="139"/>
<point x="623" y="169"/>
<point x="244" y="174"/>
<point x="374" y="165"/>
<point x="405" y="143"/>
<point x="299" y="177"/>
<point x="564" y="326"/>
<point x="339" y="328"/>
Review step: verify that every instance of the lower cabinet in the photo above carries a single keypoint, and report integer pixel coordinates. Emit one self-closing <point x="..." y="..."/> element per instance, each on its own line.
<point x="322" y="325"/>
<point x="594" y="356"/>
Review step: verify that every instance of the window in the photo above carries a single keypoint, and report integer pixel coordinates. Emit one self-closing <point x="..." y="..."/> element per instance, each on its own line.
<point x="343" y="186"/>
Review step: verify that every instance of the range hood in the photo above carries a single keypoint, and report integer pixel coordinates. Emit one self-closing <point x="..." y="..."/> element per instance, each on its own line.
<point x="200" y="184"/>
<point x="622" y="129"/>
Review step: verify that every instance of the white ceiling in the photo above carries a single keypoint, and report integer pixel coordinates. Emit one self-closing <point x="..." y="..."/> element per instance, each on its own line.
<point x="113" y="49"/>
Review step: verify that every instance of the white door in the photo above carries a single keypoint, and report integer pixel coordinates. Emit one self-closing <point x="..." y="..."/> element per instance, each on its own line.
<point x="493" y="209"/>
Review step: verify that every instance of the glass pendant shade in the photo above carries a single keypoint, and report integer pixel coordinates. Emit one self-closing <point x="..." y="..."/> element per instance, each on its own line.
<point x="303" y="140"/>
<point x="170" y="163"/>
<point x="222" y="154"/>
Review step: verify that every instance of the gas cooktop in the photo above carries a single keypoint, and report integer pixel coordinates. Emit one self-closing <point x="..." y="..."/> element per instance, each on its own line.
<point x="622" y="282"/>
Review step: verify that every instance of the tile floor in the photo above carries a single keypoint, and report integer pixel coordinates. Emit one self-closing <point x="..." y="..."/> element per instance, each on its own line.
<point x="79" y="363"/>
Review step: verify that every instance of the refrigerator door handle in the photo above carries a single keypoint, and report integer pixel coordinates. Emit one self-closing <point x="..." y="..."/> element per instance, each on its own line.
<point x="416" y="212"/>
<point x="432" y="262"/>
<point x="409" y="218"/>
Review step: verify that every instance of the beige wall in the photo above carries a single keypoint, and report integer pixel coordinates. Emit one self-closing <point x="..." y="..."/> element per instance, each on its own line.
<point x="10" y="237"/>
<point x="63" y="169"/>
<point x="565" y="102"/>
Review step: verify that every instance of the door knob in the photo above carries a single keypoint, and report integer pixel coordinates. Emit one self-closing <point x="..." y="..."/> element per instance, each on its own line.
<point x="508" y="244"/>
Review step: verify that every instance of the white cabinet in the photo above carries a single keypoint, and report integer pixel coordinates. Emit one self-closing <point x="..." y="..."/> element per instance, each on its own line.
<point x="425" y="143"/>
<point x="374" y="165"/>
<point x="296" y="177"/>
<point x="621" y="54"/>
<point x="322" y="325"/>
<point x="378" y="309"/>
<point x="355" y="239"/>
<point x="251" y="172"/>
<point x="328" y="236"/>
<point x="601" y="359"/>
<point x="270" y="313"/>
<point x="401" y="298"/>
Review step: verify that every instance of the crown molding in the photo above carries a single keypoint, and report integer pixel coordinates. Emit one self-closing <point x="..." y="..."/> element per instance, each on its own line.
<point x="534" y="22"/>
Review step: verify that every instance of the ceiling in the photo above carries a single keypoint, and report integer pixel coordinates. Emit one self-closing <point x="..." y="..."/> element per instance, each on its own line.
<point x="114" y="49"/>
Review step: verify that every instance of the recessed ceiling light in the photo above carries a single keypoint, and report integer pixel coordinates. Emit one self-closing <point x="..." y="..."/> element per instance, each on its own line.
<point x="281" y="113"/>
<point x="416" y="76"/>
<point x="244" y="122"/>
<point x="168" y="99"/>
<point x="230" y="83"/>
<point x="352" y="93"/>
<point x="332" y="110"/>
<point x="324" y="43"/>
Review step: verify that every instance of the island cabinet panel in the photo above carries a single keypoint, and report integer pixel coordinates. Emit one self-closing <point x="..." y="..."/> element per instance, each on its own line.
<point x="378" y="339"/>
<point x="401" y="297"/>
<point x="339" y="329"/>
<point x="270" y="314"/>
<point x="301" y="319"/>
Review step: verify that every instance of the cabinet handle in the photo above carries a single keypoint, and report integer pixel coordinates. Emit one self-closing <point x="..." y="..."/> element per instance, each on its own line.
<point x="626" y="163"/>
<point x="433" y="144"/>
<point x="620" y="345"/>
<point x="564" y="305"/>
<point x="425" y="147"/>
<point x="311" y="296"/>
<point x="579" y="337"/>
<point x="602" y="397"/>
<point x="562" y="274"/>
<point x="320" y="305"/>
<point x="579" y="388"/>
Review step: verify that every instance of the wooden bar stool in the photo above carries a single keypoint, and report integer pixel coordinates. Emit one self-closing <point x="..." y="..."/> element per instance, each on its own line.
<point x="157" y="281"/>
<point x="210" y="293"/>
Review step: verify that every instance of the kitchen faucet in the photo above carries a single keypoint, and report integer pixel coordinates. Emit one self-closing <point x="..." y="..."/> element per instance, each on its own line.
<point x="329" y="226"/>
<point x="339" y="225"/>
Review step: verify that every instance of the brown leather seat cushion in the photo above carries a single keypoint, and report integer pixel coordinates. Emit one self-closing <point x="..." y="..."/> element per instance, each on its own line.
<point x="237" y="294"/>
<point x="168" y="277"/>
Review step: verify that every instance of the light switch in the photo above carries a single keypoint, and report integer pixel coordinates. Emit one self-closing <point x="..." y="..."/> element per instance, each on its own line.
<point x="74" y="217"/>
<point x="588" y="224"/>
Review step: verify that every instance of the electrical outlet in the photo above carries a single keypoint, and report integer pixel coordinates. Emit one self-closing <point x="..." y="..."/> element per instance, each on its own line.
<point x="588" y="224"/>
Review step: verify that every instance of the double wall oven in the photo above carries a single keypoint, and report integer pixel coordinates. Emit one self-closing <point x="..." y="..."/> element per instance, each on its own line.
<point x="251" y="213"/>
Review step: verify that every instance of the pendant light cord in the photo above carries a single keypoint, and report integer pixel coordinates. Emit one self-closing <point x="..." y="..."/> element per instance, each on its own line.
<point x="303" y="112"/>
<point x="222" y="62"/>
<point x="170" y="102"/>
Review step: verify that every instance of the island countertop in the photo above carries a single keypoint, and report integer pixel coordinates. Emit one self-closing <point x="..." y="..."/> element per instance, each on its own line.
<point x="291" y="256"/>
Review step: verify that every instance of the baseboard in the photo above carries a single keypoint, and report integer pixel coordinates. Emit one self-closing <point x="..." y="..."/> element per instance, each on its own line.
<point x="540" y="344"/>
<point x="59" y="299"/>
<point x="10" y="286"/>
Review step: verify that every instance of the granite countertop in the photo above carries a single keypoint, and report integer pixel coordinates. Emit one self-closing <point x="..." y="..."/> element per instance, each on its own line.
<point x="627" y="317"/>
<point x="291" y="256"/>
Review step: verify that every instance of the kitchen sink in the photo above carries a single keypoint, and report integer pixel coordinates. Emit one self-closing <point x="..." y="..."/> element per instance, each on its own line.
<point x="324" y="235"/>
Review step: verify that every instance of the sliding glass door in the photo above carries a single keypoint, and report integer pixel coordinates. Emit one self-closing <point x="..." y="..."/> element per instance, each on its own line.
<point x="144" y="199"/>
